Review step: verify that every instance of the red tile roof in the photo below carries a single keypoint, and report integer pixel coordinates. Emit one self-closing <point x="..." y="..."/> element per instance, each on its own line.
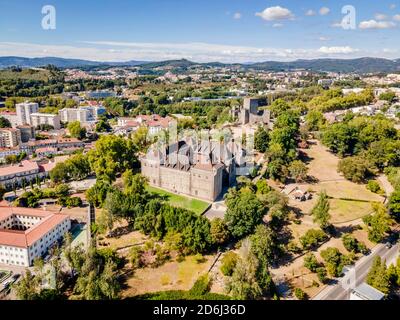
<point x="25" y="239"/>
<point x="19" y="168"/>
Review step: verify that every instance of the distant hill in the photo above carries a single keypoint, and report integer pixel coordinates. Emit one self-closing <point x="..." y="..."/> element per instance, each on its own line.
<point x="6" y="62"/>
<point x="360" y="65"/>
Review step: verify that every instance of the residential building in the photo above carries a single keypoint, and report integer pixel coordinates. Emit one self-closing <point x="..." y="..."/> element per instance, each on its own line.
<point x="9" y="137"/>
<point x="82" y="114"/>
<point x="24" y="112"/>
<point x="24" y="172"/>
<point x="38" y="119"/>
<point x="27" y="234"/>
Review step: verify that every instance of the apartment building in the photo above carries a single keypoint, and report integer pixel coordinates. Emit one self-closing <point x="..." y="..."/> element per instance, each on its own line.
<point x="27" y="234"/>
<point x="24" y="111"/>
<point x="38" y="119"/>
<point x="9" y="137"/>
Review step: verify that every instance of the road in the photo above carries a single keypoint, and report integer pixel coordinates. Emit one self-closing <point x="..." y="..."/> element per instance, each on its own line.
<point x="338" y="291"/>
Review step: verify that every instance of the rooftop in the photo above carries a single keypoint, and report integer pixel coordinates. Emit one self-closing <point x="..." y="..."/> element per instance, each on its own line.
<point x="24" y="239"/>
<point x="366" y="292"/>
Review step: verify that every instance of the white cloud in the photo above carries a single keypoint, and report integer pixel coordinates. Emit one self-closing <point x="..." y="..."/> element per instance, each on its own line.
<point x="396" y="17"/>
<point x="380" y="16"/>
<point x="373" y="24"/>
<point x="324" y="11"/>
<point x="275" y="13"/>
<point x="277" y="25"/>
<point x="324" y="39"/>
<point x="392" y="6"/>
<point x="195" y="51"/>
<point x="310" y="13"/>
<point x="387" y="50"/>
<point x="237" y="16"/>
<point x="337" y="50"/>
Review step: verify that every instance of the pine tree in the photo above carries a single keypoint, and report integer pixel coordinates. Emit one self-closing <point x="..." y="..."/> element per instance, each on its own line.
<point x="320" y="212"/>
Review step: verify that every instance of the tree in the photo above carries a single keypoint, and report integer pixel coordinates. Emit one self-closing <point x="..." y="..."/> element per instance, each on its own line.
<point x="320" y="212"/>
<point x="264" y="245"/>
<point x="141" y="139"/>
<point x="261" y="139"/>
<point x="335" y="261"/>
<point x="112" y="155"/>
<point x="103" y="126"/>
<point x="228" y="263"/>
<point x="76" y="131"/>
<point x="243" y="284"/>
<point x="278" y="107"/>
<point x="298" y="170"/>
<point x="353" y="245"/>
<point x="312" y="238"/>
<point x="314" y="120"/>
<point x="340" y="138"/>
<point x="356" y="169"/>
<point x="378" y="276"/>
<point x="244" y="212"/>
<point x="389" y="96"/>
<point x="394" y="204"/>
<point x="28" y="287"/>
<point x="300" y="294"/>
<point x="4" y="123"/>
<point x="378" y="223"/>
<point x="311" y="262"/>
<point x="219" y="231"/>
<point x="374" y="186"/>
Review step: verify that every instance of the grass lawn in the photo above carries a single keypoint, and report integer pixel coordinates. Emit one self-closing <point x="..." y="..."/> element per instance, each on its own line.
<point x="343" y="210"/>
<point x="172" y="275"/>
<point x="197" y="206"/>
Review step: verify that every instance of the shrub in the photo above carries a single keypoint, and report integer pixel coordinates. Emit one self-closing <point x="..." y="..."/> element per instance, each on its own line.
<point x="198" y="258"/>
<point x="300" y="294"/>
<point x="374" y="186"/>
<point x="135" y="257"/>
<point x="312" y="238"/>
<point x="201" y="286"/>
<point x="229" y="261"/>
<point x="311" y="262"/>
<point x="322" y="274"/>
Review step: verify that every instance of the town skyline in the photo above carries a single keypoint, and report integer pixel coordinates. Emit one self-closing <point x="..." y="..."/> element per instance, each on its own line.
<point x="226" y="32"/>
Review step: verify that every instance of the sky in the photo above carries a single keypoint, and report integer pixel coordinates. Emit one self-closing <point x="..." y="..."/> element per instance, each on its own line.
<point x="200" y="30"/>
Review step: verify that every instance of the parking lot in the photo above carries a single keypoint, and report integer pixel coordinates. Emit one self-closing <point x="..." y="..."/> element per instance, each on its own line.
<point x="9" y="275"/>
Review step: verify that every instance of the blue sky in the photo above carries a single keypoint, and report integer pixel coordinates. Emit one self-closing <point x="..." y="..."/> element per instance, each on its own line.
<point x="201" y="30"/>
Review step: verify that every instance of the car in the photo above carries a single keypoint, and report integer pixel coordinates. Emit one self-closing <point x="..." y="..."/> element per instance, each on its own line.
<point x="388" y="245"/>
<point x="16" y="276"/>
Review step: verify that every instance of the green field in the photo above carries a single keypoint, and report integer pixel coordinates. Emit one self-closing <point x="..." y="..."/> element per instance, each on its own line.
<point x="197" y="206"/>
<point x="25" y="74"/>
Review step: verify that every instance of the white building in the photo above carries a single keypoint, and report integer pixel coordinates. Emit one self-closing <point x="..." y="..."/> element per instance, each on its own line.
<point x="38" y="119"/>
<point x="9" y="138"/>
<point x="15" y="175"/>
<point x="366" y="292"/>
<point x="27" y="234"/>
<point x="84" y="114"/>
<point x="24" y="111"/>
